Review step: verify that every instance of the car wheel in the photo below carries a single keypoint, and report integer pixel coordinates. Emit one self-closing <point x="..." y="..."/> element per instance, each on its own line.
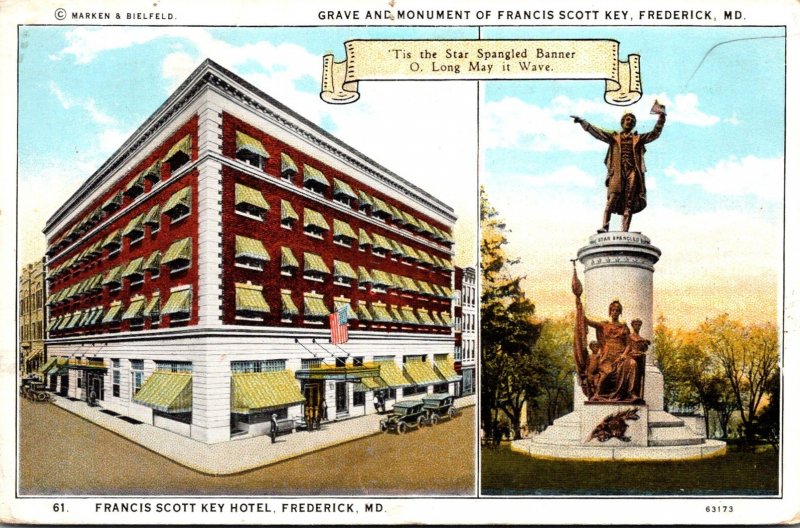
<point x="452" y="412"/>
<point x="402" y="428"/>
<point x="434" y="419"/>
<point x="383" y="426"/>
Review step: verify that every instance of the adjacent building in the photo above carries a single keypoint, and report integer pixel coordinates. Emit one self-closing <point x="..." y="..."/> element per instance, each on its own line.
<point x="31" y="318"/>
<point x="191" y="278"/>
<point x="465" y="315"/>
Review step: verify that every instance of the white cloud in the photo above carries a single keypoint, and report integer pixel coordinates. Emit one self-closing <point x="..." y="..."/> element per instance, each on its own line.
<point x="88" y="105"/>
<point x="762" y="177"/>
<point x="86" y="43"/>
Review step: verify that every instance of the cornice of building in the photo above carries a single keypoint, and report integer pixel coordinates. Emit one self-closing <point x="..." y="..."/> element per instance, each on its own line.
<point x="210" y="75"/>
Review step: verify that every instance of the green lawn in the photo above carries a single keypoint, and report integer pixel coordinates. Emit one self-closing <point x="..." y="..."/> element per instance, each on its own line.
<point x="505" y="472"/>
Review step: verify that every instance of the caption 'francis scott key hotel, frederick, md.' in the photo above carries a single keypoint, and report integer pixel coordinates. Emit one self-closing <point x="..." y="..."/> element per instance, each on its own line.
<point x="191" y="277"/>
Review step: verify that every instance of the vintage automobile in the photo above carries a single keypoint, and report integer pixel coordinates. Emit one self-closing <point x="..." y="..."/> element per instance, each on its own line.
<point x="438" y="406"/>
<point x="405" y="414"/>
<point x="34" y="390"/>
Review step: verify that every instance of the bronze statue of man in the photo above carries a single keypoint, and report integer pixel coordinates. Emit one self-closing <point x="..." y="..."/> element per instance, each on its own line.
<point x="624" y="161"/>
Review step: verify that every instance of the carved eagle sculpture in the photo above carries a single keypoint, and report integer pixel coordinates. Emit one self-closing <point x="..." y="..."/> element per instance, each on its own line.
<point x="614" y="426"/>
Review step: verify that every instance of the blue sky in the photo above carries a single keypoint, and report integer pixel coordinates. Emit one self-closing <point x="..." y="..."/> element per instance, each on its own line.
<point x="84" y="90"/>
<point x="715" y="176"/>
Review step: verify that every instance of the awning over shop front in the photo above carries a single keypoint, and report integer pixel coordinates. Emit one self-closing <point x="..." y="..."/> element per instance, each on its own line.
<point x="55" y="366"/>
<point x="444" y="367"/>
<point x="47" y="366"/>
<point x="392" y="376"/>
<point x="165" y="391"/>
<point x="251" y="391"/>
<point x="421" y="373"/>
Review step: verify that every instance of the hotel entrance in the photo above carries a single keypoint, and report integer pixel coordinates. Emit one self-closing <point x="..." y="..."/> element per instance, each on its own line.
<point x="341" y="399"/>
<point x="314" y="407"/>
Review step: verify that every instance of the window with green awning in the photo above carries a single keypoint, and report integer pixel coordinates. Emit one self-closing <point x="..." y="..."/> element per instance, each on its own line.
<point x="168" y="392"/>
<point x="364" y="276"/>
<point x="135" y="310"/>
<point x="424" y="318"/>
<point x="113" y="203"/>
<point x="288" y="213"/>
<point x="135" y="187"/>
<point x="179" y="204"/>
<point x="314" y="305"/>
<point x="343" y="270"/>
<point x="113" y="240"/>
<point x="364" y="239"/>
<point x="364" y="200"/>
<point x="288" y="167"/>
<point x="288" y="307"/>
<point x="342" y="230"/>
<point x="153" y="308"/>
<point x="288" y="259"/>
<point x="314" y="177"/>
<point x="379" y="241"/>
<point x="153" y="262"/>
<point x="408" y="315"/>
<point x="180" y="153"/>
<point x="180" y="252"/>
<point x="379" y="313"/>
<point x="342" y="190"/>
<point x="250" y="248"/>
<point x="153" y="172"/>
<point x="135" y="268"/>
<point x="363" y="312"/>
<point x="314" y="219"/>
<point x="314" y="263"/>
<point x="250" y="144"/>
<point x="114" y="313"/>
<point x="259" y="391"/>
<point x="250" y="298"/>
<point x="338" y="302"/>
<point x="436" y="319"/>
<point x="113" y="276"/>
<point x="250" y="200"/>
<point x="380" y="277"/>
<point x="179" y="302"/>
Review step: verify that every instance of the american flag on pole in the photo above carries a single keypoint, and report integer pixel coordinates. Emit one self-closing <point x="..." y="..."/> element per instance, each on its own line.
<point x="338" y="320"/>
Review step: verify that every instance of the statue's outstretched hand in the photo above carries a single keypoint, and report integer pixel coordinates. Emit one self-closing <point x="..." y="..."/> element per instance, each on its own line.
<point x="576" y="119"/>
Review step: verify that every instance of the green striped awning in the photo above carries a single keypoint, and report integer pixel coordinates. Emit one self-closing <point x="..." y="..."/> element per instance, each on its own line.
<point x="425" y="227"/>
<point x="437" y="262"/>
<point x="421" y="372"/>
<point x="445" y="369"/>
<point x="153" y="216"/>
<point x="397" y="281"/>
<point x="153" y="261"/>
<point x="113" y="275"/>
<point x="380" y="277"/>
<point x="135" y="310"/>
<point x="372" y="383"/>
<point x="288" y="259"/>
<point x="424" y="287"/>
<point x="250" y="248"/>
<point x="436" y="319"/>
<point x="391" y="375"/>
<point x="115" y="202"/>
<point x="73" y="320"/>
<point x="338" y="302"/>
<point x="287" y="211"/>
<point x="97" y="316"/>
<point x="250" y="144"/>
<point x="114" y="312"/>
<point x="165" y="391"/>
<point x="95" y="249"/>
<point x="379" y="206"/>
<point x="313" y="218"/>
<point x="409" y="285"/>
<point x="411" y="254"/>
<point x="314" y="305"/>
<point x="51" y="323"/>
<point x="363" y="276"/>
<point x="136" y="185"/>
<point x="397" y="248"/>
<point x="313" y="262"/>
<point x="179" y="250"/>
<point x="363" y="238"/>
<point x="343" y="229"/>
<point x="424" y="317"/>
<point x="134" y="268"/>
<point x="134" y="225"/>
<point x="153" y="172"/>
<point x="184" y="146"/>
<point x="408" y="315"/>
<point x="343" y="269"/>
<point x="62" y="321"/>
<point x="379" y="241"/>
<point x="447" y="292"/>
<point x="395" y="313"/>
<point x="87" y="316"/>
<point x="114" y="238"/>
<point x="446" y="318"/>
<point x="437" y="290"/>
<point x="363" y="312"/>
<point x="153" y="308"/>
<point x="179" y="302"/>
<point x="409" y="220"/>
<point x="341" y="188"/>
<point x="379" y="313"/>
<point x="250" y="298"/>
<point x="249" y="196"/>
<point x="312" y="174"/>
<point x="48" y="364"/>
<point x="396" y="214"/>
<point x="364" y="199"/>
<point x="251" y="391"/>
<point x="447" y="265"/>
<point x="288" y="307"/>
<point x="181" y="199"/>
<point x="287" y="164"/>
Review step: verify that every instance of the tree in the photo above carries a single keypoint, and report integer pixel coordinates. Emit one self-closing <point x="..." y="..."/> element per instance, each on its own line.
<point x="553" y="350"/>
<point x="508" y="329"/>
<point x="748" y="357"/>
<point x="768" y="420"/>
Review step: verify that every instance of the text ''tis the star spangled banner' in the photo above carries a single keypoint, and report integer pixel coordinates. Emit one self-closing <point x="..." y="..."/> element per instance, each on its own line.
<point x="471" y="60"/>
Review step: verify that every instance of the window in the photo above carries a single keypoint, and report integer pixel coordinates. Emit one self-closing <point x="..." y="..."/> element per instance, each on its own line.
<point x="315" y="312"/>
<point x="250" y="202"/>
<point x="179" y="205"/>
<point x="314" y="180"/>
<point x="288" y="167"/>
<point x="250" y="150"/>
<point x="314" y="224"/>
<point x="288" y="215"/>
<point x="358" y="396"/>
<point x="343" y="193"/>
<point x="415" y="389"/>
<point x="250" y="253"/>
<point x="314" y="267"/>
<point x="288" y="307"/>
<point x="306" y="364"/>
<point x="263" y="365"/>
<point x="358" y="361"/>
<point x="180" y="154"/>
<point x="137" y="375"/>
<point x="289" y="263"/>
<point x="343" y="274"/>
<point x="115" y="377"/>
<point x="250" y="303"/>
<point x="179" y="255"/>
<point x="153" y="219"/>
<point x="174" y="366"/>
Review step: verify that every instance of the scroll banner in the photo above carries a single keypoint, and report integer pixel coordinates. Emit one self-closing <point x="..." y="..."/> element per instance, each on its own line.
<point x="476" y="60"/>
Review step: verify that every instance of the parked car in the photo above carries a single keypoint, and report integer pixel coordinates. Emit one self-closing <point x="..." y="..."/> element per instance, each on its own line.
<point x="404" y="415"/>
<point x="438" y="406"/>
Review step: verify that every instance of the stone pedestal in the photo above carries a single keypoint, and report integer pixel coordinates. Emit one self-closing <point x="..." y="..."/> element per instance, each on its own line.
<point x="619" y="266"/>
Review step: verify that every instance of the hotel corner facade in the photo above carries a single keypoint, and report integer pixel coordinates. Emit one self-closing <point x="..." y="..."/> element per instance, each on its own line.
<point x="190" y="279"/>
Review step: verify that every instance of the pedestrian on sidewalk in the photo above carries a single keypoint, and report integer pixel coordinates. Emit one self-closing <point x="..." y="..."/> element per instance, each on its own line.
<point x="376" y="401"/>
<point x="273" y="429"/>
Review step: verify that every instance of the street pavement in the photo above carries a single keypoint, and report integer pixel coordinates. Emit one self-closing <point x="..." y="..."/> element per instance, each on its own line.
<point x="62" y="454"/>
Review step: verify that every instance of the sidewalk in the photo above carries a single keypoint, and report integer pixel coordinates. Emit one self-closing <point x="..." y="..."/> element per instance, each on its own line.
<point x="237" y="455"/>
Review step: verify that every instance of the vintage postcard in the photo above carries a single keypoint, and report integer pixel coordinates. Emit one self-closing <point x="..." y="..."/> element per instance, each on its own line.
<point x="383" y="263"/>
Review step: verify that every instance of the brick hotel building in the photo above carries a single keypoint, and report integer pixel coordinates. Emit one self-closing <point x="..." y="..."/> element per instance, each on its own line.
<point x="190" y="278"/>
